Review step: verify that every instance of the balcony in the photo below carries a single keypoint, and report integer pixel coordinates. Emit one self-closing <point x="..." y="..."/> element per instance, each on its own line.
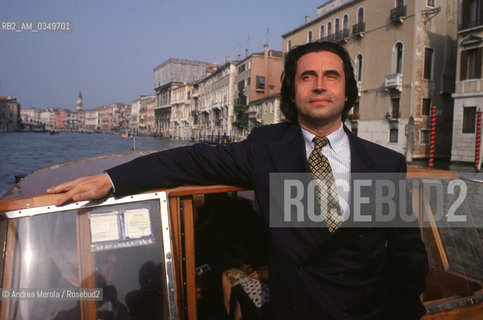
<point x="241" y="108"/>
<point x="393" y="116"/>
<point x="393" y="82"/>
<point x="341" y="37"/>
<point x="398" y="14"/>
<point x="359" y="29"/>
<point x="252" y="114"/>
<point x="216" y="106"/>
<point x="241" y="123"/>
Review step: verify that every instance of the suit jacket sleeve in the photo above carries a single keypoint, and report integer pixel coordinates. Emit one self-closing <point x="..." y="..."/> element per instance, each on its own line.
<point x="199" y="164"/>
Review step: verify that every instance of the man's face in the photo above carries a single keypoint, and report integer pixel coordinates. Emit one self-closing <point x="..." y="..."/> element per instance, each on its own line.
<point x="320" y="90"/>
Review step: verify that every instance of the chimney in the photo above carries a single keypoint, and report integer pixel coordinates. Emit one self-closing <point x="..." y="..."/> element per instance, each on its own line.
<point x="246" y="52"/>
<point x="265" y="50"/>
<point x="227" y="59"/>
<point x="239" y="57"/>
<point x="307" y="19"/>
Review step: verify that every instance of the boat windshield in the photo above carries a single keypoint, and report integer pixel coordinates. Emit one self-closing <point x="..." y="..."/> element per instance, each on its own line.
<point x="106" y="261"/>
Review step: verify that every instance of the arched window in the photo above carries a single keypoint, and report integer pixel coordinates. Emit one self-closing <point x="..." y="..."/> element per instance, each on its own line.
<point x="309" y="37"/>
<point x="346" y="23"/>
<point x="398" y="58"/>
<point x="360" y="15"/>
<point x="322" y="31"/>
<point x="329" y="29"/>
<point x="359" y="67"/>
<point x="337" y="25"/>
<point x="289" y="45"/>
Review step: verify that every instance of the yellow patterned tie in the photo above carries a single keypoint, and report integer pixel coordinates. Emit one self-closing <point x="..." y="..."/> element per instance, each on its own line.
<point x="321" y="170"/>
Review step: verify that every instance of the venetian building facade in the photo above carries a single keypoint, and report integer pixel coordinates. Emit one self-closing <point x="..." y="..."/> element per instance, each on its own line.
<point x="258" y="76"/>
<point x="147" y="121"/>
<point x="92" y="120"/>
<point x="468" y="96"/>
<point x="167" y="77"/>
<point x="10" y="119"/>
<point x="180" y="113"/>
<point x="47" y="116"/>
<point x="30" y="114"/>
<point x="215" y="99"/>
<point x="105" y="118"/>
<point x="264" y="111"/>
<point x="134" y="123"/>
<point x="403" y="53"/>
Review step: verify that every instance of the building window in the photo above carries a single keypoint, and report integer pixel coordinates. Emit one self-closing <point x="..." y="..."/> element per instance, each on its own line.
<point x="346" y="23"/>
<point x="360" y="15"/>
<point x="470" y="64"/>
<point x="469" y="119"/>
<point x="309" y="37"/>
<point x="471" y="14"/>
<point x="260" y="84"/>
<point x="289" y="45"/>
<point x="430" y="3"/>
<point x="428" y="63"/>
<point x="359" y="67"/>
<point x="426" y="107"/>
<point x="398" y="58"/>
<point x="393" y="134"/>
<point x="337" y="25"/>
<point x="322" y="32"/>
<point x="395" y="108"/>
<point x="424" y="136"/>
<point x="329" y="29"/>
<point x="399" y="3"/>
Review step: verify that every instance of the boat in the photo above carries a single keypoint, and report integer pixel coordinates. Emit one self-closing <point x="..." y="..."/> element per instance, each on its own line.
<point x="145" y="252"/>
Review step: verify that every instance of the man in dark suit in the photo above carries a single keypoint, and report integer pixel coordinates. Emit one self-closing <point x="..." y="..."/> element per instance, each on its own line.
<point x="352" y="273"/>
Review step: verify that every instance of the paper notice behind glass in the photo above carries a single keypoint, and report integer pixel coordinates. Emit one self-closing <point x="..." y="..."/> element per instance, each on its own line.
<point x="105" y="227"/>
<point x="137" y="223"/>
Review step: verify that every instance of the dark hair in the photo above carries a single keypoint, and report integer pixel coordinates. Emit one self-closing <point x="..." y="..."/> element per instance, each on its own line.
<point x="287" y="91"/>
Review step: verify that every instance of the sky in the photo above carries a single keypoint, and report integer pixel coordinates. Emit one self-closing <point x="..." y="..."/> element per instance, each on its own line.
<point x="114" y="44"/>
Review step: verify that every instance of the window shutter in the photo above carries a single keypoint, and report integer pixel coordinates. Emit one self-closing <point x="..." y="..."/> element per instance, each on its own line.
<point x="478" y="63"/>
<point x="463" y="65"/>
<point x="465" y="14"/>
<point x="480" y="16"/>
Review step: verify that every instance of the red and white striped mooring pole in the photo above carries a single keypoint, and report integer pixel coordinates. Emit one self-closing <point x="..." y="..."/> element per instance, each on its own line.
<point x="478" y="141"/>
<point x="432" y="136"/>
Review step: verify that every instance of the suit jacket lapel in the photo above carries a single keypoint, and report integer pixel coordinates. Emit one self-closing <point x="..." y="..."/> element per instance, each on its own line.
<point x="288" y="155"/>
<point x="361" y="160"/>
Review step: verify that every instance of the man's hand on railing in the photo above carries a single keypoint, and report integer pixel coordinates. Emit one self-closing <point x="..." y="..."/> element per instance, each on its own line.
<point x="85" y="188"/>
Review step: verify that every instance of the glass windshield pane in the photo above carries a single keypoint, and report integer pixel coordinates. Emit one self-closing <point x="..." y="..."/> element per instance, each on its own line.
<point x="112" y="255"/>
